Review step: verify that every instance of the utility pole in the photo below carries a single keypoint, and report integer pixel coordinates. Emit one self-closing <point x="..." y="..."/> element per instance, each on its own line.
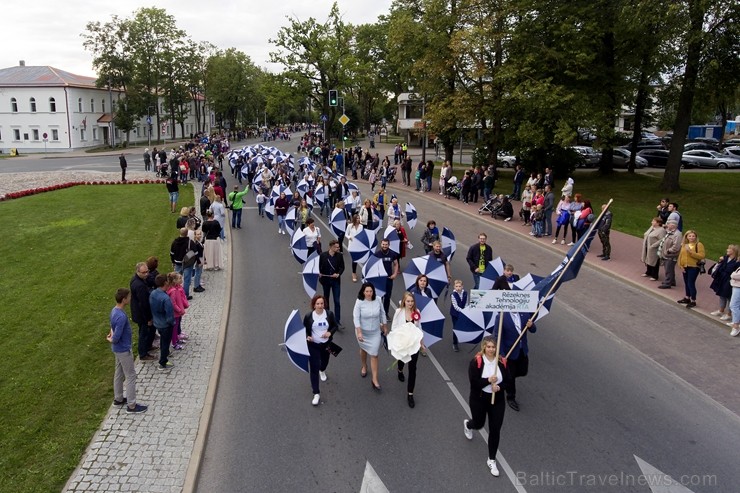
<point x="423" y="129"/>
<point x="112" y="123"/>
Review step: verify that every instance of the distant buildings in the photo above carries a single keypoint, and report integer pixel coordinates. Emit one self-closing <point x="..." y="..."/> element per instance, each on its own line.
<point x="44" y="108"/>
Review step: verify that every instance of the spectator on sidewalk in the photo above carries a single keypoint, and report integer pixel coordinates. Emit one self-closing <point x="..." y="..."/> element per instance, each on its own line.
<point x="691" y="253"/>
<point x="124" y="165"/>
<point x="605" y="228"/>
<point x="650" y="256"/>
<point x="174" y="190"/>
<point x="120" y="337"/>
<point x="548" y="207"/>
<point x="721" y="273"/>
<point x="675" y="215"/>
<point x="663" y="211"/>
<point x="141" y="313"/>
<point x="735" y="302"/>
<point x="670" y="246"/>
<point x="519" y="176"/>
<point x="163" y="318"/>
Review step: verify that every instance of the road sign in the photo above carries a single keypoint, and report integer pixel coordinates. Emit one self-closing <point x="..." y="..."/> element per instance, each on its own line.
<point x="45" y="135"/>
<point x="148" y="120"/>
<point x="344" y="119"/>
<point x="324" y="118"/>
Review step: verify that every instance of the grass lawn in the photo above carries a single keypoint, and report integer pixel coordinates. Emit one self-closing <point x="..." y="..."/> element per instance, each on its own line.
<point x="65" y="253"/>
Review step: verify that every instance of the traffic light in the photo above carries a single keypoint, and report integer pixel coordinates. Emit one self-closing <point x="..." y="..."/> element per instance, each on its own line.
<point x="333" y="97"/>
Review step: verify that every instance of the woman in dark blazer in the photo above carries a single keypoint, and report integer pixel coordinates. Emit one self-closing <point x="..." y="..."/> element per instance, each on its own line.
<point x="320" y="327"/>
<point x="487" y="378"/>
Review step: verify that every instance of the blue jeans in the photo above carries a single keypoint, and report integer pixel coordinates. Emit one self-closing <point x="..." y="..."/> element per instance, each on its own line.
<point x="689" y="280"/>
<point x="281" y="223"/>
<point x="325" y="206"/>
<point x="165" y="339"/>
<point x="515" y="194"/>
<point x="735" y="305"/>
<point x="261" y="208"/>
<point x="476" y="280"/>
<point x="236" y="218"/>
<point x="198" y="270"/>
<point x="187" y="275"/>
<point x="333" y="287"/>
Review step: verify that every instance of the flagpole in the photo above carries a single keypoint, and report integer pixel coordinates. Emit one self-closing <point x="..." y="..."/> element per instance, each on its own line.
<point x="498" y="349"/>
<point x="557" y="281"/>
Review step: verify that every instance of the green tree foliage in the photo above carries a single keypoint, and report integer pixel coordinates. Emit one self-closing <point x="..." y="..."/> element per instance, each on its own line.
<point x="232" y="84"/>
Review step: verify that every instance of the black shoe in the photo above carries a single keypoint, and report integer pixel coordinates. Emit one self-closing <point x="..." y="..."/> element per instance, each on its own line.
<point x="605" y="258"/>
<point x="137" y="409"/>
<point x="691" y="304"/>
<point x="600" y="255"/>
<point x="411" y="401"/>
<point x="513" y="404"/>
<point x="199" y="289"/>
<point x="663" y="286"/>
<point x="684" y="301"/>
<point x="375" y="387"/>
<point x="190" y="298"/>
<point x="120" y="403"/>
<point x="401" y="377"/>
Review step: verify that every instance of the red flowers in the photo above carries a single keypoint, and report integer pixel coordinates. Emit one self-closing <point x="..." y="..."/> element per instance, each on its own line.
<point x="415" y="316"/>
<point x="59" y="186"/>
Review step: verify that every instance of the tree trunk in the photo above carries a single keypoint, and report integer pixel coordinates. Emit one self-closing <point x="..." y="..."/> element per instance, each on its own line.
<point x="670" y="181"/>
<point x="640" y="103"/>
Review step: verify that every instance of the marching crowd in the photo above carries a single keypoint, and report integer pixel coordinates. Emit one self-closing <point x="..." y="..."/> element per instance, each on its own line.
<point x="159" y="302"/>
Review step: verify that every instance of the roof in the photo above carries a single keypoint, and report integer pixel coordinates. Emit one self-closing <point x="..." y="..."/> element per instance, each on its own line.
<point x="44" y="76"/>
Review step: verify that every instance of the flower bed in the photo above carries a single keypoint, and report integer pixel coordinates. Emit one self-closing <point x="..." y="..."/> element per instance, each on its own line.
<point x="59" y="186"/>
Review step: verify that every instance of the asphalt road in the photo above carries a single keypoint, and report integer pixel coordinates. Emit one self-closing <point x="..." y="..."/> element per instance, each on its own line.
<point x="590" y="404"/>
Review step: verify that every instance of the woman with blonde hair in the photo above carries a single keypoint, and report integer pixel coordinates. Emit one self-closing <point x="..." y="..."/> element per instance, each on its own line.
<point x="692" y="252"/>
<point x="488" y="380"/>
<point x="407" y="312"/>
<point x="721" y="273"/>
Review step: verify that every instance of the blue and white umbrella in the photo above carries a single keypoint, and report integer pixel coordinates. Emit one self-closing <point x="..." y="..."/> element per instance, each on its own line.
<point x="290" y="220"/>
<point x="411" y="215"/>
<point x="298" y="246"/>
<point x="430" y="267"/>
<point x="309" y="202"/>
<point x="532" y="282"/>
<point x="432" y="320"/>
<point x="258" y="160"/>
<point x="304" y="161"/>
<point x="377" y="222"/>
<point x="353" y="188"/>
<point x="449" y="245"/>
<point x="362" y="246"/>
<point x="394" y="240"/>
<point x="338" y="222"/>
<point x="472" y="325"/>
<point x="374" y="272"/>
<point x="295" y="341"/>
<point x="278" y="189"/>
<point x="310" y="274"/>
<point x="320" y="195"/>
<point x="302" y="188"/>
<point x="270" y="209"/>
<point x="494" y="270"/>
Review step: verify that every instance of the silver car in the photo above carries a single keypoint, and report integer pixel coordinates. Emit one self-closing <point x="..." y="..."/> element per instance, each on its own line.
<point x="709" y="159"/>
<point x="622" y="159"/>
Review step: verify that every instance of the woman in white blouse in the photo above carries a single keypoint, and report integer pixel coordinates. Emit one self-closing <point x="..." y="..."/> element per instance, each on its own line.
<point x="313" y="236"/>
<point x="352" y="230"/>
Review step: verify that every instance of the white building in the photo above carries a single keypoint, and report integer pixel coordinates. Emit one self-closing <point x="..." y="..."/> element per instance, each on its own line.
<point x="47" y="109"/>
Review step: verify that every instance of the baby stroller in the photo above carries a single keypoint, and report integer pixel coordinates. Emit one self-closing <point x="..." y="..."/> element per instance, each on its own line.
<point x="490" y="206"/>
<point x="392" y="173"/>
<point x="454" y="190"/>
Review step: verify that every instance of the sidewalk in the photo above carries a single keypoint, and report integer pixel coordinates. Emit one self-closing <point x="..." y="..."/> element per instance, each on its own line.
<point x="151" y="452"/>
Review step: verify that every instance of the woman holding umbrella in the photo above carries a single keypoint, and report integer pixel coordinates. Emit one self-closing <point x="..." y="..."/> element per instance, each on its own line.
<point x="421" y="287"/>
<point x="313" y="236"/>
<point x="320" y="326"/>
<point x="401" y="236"/>
<point x="407" y="312"/>
<point x="352" y="230"/>
<point x="369" y="319"/>
<point x="488" y="379"/>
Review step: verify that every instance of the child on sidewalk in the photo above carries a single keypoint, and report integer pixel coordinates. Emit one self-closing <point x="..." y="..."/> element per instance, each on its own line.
<point x="538" y="221"/>
<point x="180" y="304"/>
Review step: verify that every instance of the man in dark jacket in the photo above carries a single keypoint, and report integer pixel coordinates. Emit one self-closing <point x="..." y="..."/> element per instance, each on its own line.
<point x="124" y="165"/>
<point x="178" y="249"/>
<point x="141" y="313"/>
<point x="478" y="257"/>
<point x="331" y="267"/>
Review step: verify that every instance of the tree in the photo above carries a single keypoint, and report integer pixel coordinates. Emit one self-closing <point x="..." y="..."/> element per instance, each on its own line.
<point x="320" y="53"/>
<point x="232" y="83"/>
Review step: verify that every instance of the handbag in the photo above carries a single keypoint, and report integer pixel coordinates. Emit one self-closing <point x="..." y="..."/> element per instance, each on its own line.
<point x="190" y="258"/>
<point x="702" y="264"/>
<point x="333" y="348"/>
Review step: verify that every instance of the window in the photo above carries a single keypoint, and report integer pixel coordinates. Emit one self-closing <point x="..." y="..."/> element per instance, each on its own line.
<point x="54" y="134"/>
<point x="82" y="134"/>
<point x="92" y="106"/>
<point x="16" y="134"/>
<point x="14" y="106"/>
<point x="79" y="105"/>
<point x="33" y="105"/>
<point x="102" y="102"/>
<point x="35" y="132"/>
<point x="52" y="105"/>
<point x="95" y="133"/>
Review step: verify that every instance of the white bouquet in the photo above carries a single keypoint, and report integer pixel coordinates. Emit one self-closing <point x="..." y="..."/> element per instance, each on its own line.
<point x="405" y="341"/>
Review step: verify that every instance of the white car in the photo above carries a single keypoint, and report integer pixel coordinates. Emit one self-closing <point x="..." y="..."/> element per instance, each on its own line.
<point x="710" y="159"/>
<point x="506" y="160"/>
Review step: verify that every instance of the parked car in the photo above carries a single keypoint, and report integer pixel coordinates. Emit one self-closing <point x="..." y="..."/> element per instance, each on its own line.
<point x="646" y="144"/>
<point x="506" y="160"/>
<point x="622" y="159"/>
<point x="699" y="146"/>
<point x="655" y="157"/>
<point x="731" y="143"/>
<point x="732" y="151"/>
<point x="710" y="159"/>
<point x="590" y="157"/>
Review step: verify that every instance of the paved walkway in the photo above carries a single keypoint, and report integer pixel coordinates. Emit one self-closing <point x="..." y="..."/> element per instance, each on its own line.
<point x="151" y="452"/>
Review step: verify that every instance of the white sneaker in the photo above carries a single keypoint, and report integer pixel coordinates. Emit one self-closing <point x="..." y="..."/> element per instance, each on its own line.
<point x="280" y="231"/>
<point x="492" y="467"/>
<point x="468" y="431"/>
<point x="562" y="242"/>
<point x="316" y="399"/>
<point x="322" y="376"/>
<point x="716" y="313"/>
<point x="554" y="241"/>
<point x="735" y="332"/>
<point x="507" y="219"/>
<point x="571" y="244"/>
<point x="726" y="316"/>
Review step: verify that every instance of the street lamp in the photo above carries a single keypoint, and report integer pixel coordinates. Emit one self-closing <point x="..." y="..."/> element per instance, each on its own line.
<point x="149" y="122"/>
<point x="112" y="133"/>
